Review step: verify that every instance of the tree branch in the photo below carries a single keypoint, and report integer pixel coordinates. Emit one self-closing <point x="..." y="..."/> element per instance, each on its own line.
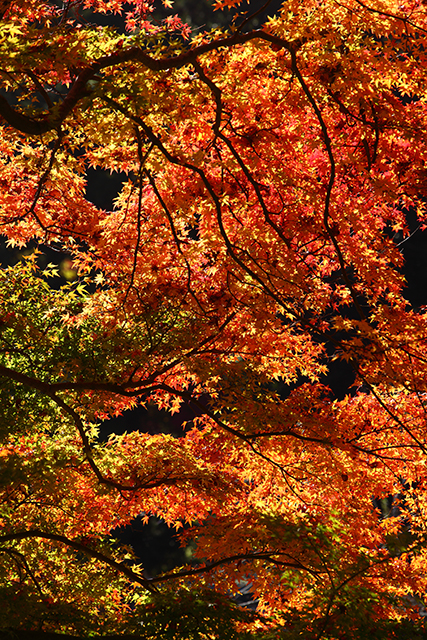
<point x="243" y="556"/>
<point x="54" y="117"/>
<point x="78" y="546"/>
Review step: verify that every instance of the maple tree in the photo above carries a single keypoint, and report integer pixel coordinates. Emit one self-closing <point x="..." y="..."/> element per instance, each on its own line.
<point x="269" y="172"/>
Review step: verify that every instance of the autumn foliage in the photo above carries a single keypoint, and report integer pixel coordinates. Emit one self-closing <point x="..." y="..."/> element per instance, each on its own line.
<point x="255" y="241"/>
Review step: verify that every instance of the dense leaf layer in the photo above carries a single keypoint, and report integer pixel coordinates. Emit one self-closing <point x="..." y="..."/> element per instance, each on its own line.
<point x="254" y="241"/>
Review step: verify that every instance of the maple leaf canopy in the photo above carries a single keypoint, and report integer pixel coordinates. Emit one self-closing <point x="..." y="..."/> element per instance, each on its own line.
<point x="268" y="174"/>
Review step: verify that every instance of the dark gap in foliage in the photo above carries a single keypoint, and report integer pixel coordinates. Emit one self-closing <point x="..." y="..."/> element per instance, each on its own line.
<point x="155" y="545"/>
<point x="103" y="187"/>
<point x="414" y="250"/>
<point x="149" y="419"/>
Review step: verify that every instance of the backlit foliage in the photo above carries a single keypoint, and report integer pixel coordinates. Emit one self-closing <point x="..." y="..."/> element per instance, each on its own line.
<point x="254" y="242"/>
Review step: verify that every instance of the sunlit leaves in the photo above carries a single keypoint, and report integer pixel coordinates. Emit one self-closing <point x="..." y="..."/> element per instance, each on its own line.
<point x="252" y="244"/>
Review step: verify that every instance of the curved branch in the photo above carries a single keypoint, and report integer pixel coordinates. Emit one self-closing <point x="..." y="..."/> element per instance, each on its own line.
<point x="54" y="117"/>
<point x="216" y="91"/>
<point x="253" y="15"/>
<point x="132" y="390"/>
<point x="392" y="415"/>
<point x="391" y="15"/>
<point x="175" y="236"/>
<point x="78" y="546"/>
<point x="331" y="181"/>
<point x="49" y="390"/>
<point x="14" y="554"/>
<point x="243" y="556"/>
<point x="142" y="159"/>
<point x="43" y="179"/>
<point x="188" y="165"/>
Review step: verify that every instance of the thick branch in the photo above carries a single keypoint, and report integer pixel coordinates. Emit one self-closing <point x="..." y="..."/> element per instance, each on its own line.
<point x="137" y="389"/>
<point x="54" y="117"/>
<point x="49" y="390"/>
<point x="78" y="546"/>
